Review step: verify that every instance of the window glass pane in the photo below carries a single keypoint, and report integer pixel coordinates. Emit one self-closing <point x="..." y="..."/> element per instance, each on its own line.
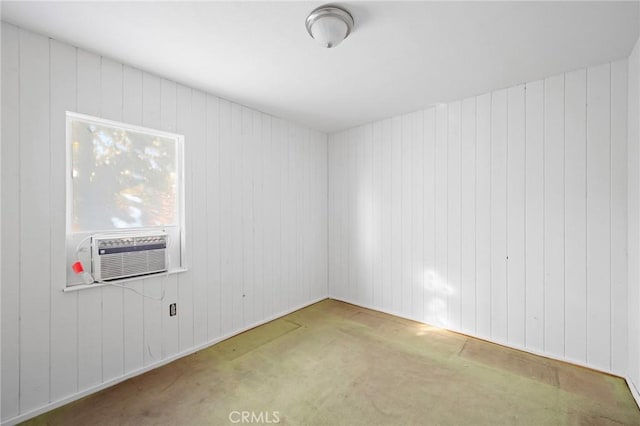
<point x="122" y="178"/>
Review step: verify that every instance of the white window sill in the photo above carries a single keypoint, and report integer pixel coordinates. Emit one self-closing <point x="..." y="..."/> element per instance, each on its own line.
<point x="78" y="287"/>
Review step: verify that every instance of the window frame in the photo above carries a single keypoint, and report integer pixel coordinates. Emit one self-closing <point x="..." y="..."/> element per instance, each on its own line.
<point x="72" y="236"/>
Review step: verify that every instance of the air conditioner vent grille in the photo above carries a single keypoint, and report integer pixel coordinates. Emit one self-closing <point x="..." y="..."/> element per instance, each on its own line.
<point x="122" y="257"/>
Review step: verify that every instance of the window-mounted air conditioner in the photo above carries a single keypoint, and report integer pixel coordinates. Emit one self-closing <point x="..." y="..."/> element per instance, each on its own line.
<point x="122" y="256"/>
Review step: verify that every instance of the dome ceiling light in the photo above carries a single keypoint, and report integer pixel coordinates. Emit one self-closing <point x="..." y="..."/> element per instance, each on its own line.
<point x="329" y="25"/>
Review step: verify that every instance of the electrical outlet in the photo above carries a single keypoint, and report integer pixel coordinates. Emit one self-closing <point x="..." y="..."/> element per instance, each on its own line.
<point x="172" y="310"/>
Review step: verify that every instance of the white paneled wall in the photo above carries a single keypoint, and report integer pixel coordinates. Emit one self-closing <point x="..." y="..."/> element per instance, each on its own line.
<point x="503" y="216"/>
<point x="634" y="221"/>
<point x="256" y="224"/>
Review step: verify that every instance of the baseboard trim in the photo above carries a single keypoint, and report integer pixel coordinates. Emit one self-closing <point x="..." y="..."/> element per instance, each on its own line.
<point x="633" y="389"/>
<point x="497" y="342"/>
<point x="53" y="405"/>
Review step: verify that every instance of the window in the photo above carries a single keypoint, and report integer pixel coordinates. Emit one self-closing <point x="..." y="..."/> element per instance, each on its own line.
<point x="122" y="179"/>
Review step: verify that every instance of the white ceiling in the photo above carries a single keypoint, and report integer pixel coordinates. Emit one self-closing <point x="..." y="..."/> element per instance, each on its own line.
<point x="401" y="56"/>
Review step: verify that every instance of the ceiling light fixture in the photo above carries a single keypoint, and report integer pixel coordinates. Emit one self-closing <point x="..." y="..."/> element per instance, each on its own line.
<point x="329" y="25"/>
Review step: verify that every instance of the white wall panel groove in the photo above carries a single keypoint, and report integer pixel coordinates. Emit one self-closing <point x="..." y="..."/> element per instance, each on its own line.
<point x="64" y="310"/>
<point x="534" y="214"/>
<point x="35" y="238"/>
<point x="619" y="219"/>
<point x="633" y="219"/>
<point x="10" y="297"/>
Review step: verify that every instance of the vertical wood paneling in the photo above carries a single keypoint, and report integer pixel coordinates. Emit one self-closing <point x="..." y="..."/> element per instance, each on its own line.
<point x="338" y="284"/>
<point x="11" y="218"/>
<point x="406" y="203"/>
<point x="483" y="215"/>
<point x="599" y="216"/>
<point x="344" y="223"/>
<point x="362" y="210"/>
<point x="619" y="293"/>
<point x="184" y="125"/>
<point x="308" y="215"/>
<point x="369" y="218"/>
<point x="90" y="301"/>
<point x="343" y="192"/>
<point x="168" y="106"/>
<point x="290" y="212"/>
<point x="332" y="210"/>
<point x="376" y="214"/>
<point x="313" y="216"/>
<point x="633" y="219"/>
<point x="132" y="303"/>
<point x="437" y="307"/>
<point x="287" y="262"/>
<point x="454" y="215"/>
<point x="236" y="218"/>
<point x="287" y="217"/>
<point x="492" y="226"/>
<point x="406" y="226"/>
<point x="417" y="224"/>
<point x="303" y="215"/>
<point x="343" y="152"/>
<point x="246" y="191"/>
<point x="575" y="175"/>
<point x="334" y="220"/>
<point x="302" y="237"/>
<point x="351" y="201"/>
<point x="298" y="144"/>
<point x="386" y="215"/>
<point x="259" y="214"/>
<point x="321" y="263"/>
<point x="308" y="274"/>
<point x="225" y="218"/>
<point x="153" y="287"/>
<point x="554" y="249"/>
<point x="396" y="214"/>
<point x="279" y="143"/>
<point x="112" y="297"/>
<point x="333" y="215"/>
<point x="429" y="219"/>
<point x="317" y="193"/>
<point x="499" y="182"/>
<point x="343" y="269"/>
<point x="534" y="214"/>
<point x="198" y="205"/>
<point x="321" y="204"/>
<point x="170" y="325"/>
<point x="212" y="202"/>
<point x="238" y="204"/>
<point x="271" y="207"/>
<point x="516" y="216"/>
<point x="468" y="216"/>
<point x="64" y="307"/>
<point x="295" y="210"/>
<point x="349" y="168"/>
